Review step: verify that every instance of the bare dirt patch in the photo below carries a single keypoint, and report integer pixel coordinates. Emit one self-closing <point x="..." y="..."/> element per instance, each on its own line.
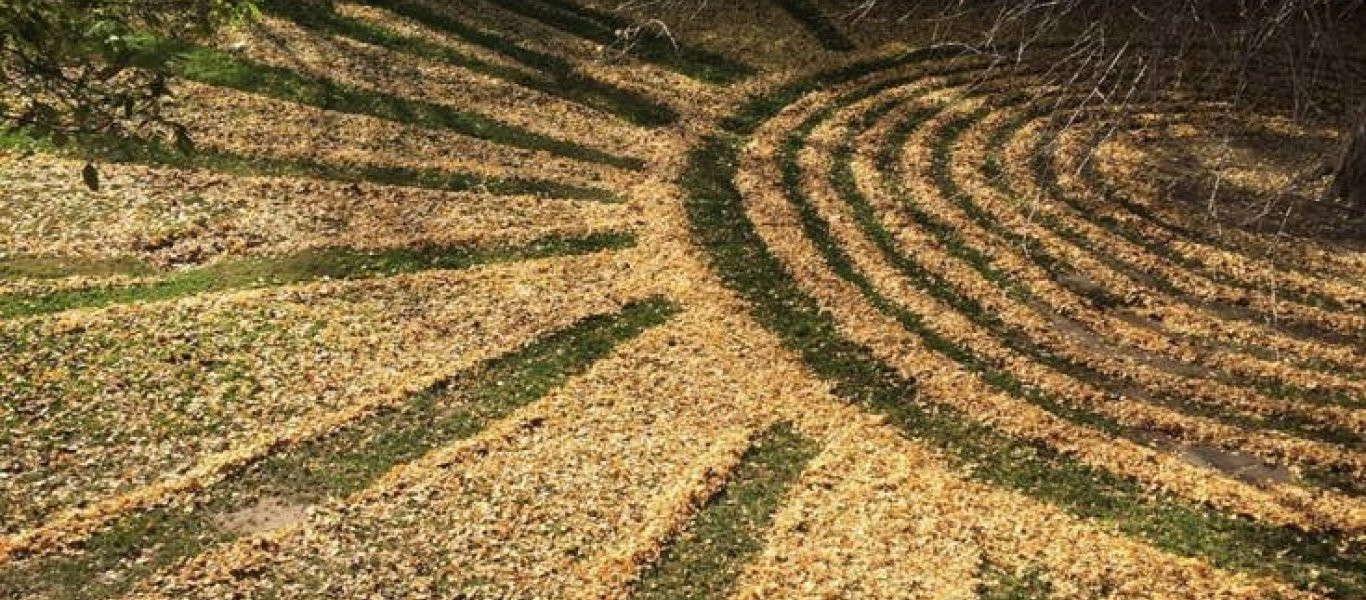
<point x="265" y="514"/>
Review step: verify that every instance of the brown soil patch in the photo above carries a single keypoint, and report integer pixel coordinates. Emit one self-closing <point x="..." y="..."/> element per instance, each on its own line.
<point x="266" y="514"/>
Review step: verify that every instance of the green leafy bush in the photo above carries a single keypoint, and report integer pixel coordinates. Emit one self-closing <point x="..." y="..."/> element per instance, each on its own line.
<point x="94" y="67"/>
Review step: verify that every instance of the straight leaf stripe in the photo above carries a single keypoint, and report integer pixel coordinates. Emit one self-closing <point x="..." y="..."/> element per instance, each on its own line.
<point x="154" y="153"/>
<point x="305" y="266"/>
<point x="602" y="27"/>
<point x="563" y="83"/>
<point x="705" y="561"/>
<point x="345" y="462"/>
<point x="214" y="67"/>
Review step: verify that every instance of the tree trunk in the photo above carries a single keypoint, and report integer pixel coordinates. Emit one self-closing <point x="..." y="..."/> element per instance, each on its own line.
<point x="1349" y="182"/>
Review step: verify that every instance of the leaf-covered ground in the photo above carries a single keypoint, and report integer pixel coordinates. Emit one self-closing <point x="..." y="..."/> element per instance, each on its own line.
<point x="466" y="300"/>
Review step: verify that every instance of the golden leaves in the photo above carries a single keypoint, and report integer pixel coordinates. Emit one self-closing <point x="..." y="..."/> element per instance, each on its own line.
<point x="259" y="374"/>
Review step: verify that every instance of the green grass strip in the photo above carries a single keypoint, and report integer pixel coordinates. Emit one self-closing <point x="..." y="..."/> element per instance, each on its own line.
<point x="1171" y="255"/>
<point x="720" y="225"/>
<point x="843" y="181"/>
<point x="1312" y="363"/>
<point x="992" y="372"/>
<point x="214" y="67"/>
<point x="305" y="266"/>
<point x="941" y="161"/>
<point x="705" y="561"/>
<point x="1270" y="386"/>
<point x="1046" y="173"/>
<point x="575" y="87"/>
<point x="1000" y="584"/>
<point x="421" y="12"/>
<point x="336" y="466"/>
<point x="1016" y="339"/>
<point x="1111" y="193"/>
<point x="602" y="27"/>
<point x="38" y="267"/>
<point x="813" y="19"/>
<point x="759" y="109"/>
<point x="153" y="153"/>
<point x="942" y="157"/>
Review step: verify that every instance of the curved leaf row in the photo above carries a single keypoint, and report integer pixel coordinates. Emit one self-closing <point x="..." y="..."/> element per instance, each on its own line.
<point x="799" y="146"/>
